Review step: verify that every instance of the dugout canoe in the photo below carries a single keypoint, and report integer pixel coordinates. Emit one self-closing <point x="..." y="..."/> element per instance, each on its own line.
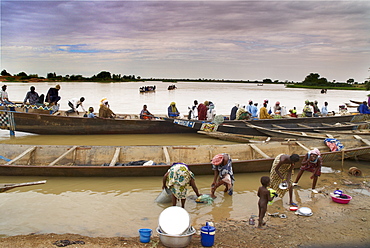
<point x="57" y="124"/>
<point x="88" y="161"/>
<point x="346" y="122"/>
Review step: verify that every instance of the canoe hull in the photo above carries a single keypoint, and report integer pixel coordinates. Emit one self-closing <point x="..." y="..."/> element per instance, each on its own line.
<point x="51" y="124"/>
<point x="115" y="161"/>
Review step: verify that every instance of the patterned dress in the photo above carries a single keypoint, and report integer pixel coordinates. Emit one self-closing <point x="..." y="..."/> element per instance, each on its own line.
<point x="274" y="177"/>
<point x="178" y="179"/>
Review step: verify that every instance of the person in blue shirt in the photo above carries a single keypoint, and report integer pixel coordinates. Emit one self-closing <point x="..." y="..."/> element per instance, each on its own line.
<point x="254" y="111"/>
<point x="363" y="108"/>
<point x="172" y="110"/>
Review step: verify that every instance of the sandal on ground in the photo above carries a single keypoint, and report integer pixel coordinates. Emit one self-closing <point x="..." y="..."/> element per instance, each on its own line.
<point x="294" y="204"/>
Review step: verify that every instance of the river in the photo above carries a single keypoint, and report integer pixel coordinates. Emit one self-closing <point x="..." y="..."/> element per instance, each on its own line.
<point x="120" y="206"/>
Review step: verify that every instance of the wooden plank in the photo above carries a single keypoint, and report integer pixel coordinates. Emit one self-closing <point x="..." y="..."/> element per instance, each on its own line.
<point x="63" y="155"/>
<point x="277" y="126"/>
<point x="115" y="156"/>
<point x="326" y="124"/>
<point x="302" y="125"/>
<point x="367" y="142"/>
<point x="6" y="187"/>
<point x="301" y="145"/>
<point x="329" y="135"/>
<point x="29" y="150"/>
<point x="167" y="156"/>
<point x="254" y="147"/>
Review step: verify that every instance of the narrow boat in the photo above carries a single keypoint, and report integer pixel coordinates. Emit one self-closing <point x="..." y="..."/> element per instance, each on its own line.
<point x="293" y="134"/>
<point x="346" y="122"/>
<point x="57" y="124"/>
<point x="144" y="89"/>
<point x="171" y="87"/>
<point x="119" y="161"/>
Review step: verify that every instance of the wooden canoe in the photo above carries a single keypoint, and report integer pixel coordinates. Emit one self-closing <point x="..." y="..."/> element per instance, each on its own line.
<point x="292" y="134"/>
<point x="295" y="124"/>
<point x="57" y="124"/>
<point x="81" y="161"/>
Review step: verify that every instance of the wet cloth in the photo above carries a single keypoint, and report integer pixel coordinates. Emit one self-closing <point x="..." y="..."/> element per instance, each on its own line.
<point x="275" y="179"/>
<point x="178" y="179"/>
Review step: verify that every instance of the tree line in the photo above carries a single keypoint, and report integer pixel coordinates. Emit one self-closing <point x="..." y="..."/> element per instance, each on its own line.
<point x="313" y="80"/>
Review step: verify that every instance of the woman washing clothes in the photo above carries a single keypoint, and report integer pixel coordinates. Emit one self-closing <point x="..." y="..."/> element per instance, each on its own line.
<point x="177" y="178"/>
<point x="312" y="162"/>
<point x="223" y="173"/>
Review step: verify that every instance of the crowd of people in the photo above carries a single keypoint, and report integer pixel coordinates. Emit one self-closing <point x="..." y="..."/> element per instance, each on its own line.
<point x="198" y="111"/>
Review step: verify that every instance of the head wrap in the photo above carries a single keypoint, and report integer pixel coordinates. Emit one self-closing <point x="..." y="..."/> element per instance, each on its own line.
<point x="218" y="159"/>
<point x="315" y="151"/>
<point x="277" y="103"/>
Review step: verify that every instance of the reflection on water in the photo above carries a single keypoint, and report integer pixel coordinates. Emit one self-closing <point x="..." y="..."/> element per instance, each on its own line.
<point x="120" y="206"/>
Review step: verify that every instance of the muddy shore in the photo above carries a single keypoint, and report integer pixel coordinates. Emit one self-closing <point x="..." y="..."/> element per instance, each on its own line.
<point x="331" y="225"/>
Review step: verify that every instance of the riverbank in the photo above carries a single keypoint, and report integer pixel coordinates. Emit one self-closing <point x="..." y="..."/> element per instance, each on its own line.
<point x="331" y="225"/>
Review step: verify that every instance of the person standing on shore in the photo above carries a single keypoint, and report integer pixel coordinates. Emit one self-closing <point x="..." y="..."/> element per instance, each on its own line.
<point x="281" y="172"/>
<point x="265" y="196"/>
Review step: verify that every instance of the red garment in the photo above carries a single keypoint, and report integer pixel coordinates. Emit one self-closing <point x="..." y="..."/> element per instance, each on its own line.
<point x="202" y="112"/>
<point x="314" y="167"/>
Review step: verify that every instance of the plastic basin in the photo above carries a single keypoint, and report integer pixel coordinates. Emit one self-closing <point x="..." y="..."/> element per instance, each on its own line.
<point x="341" y="200"/>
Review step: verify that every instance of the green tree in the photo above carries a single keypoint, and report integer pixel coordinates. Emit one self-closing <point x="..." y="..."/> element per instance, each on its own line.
<point x="104" y="75"/>
<point x="5" y="73"/>
<point x="314" y="79"/>
<point x="350" y="81"/>
<point x="22" y="74"/>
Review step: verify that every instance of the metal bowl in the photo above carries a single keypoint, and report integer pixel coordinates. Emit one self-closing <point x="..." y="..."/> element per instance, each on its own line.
<point x="174" y="220"/>
<point x="304" y="211"/>
<point x="283" y="185"/>
<point x="176" y="241"/>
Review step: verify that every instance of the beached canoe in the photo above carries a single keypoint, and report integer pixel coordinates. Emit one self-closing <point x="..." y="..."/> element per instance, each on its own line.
<point x="57" y="124"/>
<point x="118" y="161"/>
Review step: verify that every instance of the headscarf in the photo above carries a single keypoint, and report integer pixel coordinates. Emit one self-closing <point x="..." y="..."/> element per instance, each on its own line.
<point x="316" y="152"/>
<point x="218" y="159"/>
<point x="173" y="107"/>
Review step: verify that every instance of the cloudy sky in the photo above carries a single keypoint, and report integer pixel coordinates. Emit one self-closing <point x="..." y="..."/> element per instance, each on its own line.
<point x="240" y="40"/>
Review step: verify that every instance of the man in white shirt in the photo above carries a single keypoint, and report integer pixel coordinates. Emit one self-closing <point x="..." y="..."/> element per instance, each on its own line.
<point x="74" y="103"/>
